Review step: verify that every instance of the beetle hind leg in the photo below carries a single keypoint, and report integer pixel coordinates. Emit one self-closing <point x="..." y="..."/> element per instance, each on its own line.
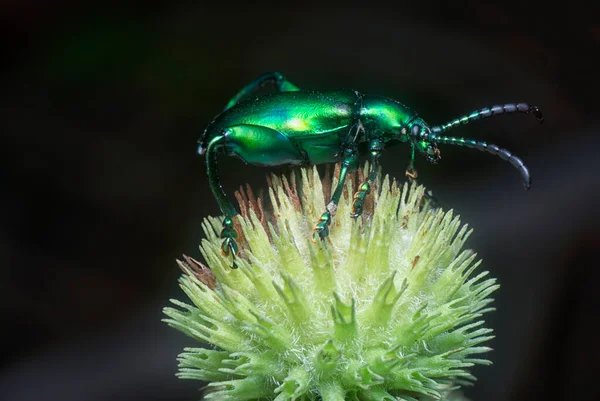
<point x="276" y="78"/>
<point x="250" y="143"/>
<point x="228" y="247"/>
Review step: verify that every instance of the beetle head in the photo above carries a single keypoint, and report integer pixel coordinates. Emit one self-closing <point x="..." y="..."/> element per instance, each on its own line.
<point x="424" y="141"/>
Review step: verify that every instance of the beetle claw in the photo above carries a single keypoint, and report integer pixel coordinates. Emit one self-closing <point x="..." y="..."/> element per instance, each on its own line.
<point x="411" y="173"/>
<point x="230" y="247"/>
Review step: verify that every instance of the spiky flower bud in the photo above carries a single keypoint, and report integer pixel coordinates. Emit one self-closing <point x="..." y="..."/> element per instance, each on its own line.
<point x="386" y="308"/>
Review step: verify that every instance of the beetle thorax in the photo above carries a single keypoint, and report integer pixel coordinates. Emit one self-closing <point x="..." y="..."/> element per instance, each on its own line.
<point x="386" y="118"/>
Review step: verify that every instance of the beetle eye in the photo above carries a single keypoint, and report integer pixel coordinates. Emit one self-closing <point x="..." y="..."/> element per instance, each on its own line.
<point x="415" y="130"/>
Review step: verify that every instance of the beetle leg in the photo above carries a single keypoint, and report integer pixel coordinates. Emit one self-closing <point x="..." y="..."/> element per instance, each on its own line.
<point x="349" y="165"/>
<point x="283" y="85"/>
<point x="411" y="172"/>
<point x="250" y="143"/>
<point x="229" y="246"/>
<point x="262" y="146"/>
<point x="375" y="148"/>
<point x="228" y="234"/>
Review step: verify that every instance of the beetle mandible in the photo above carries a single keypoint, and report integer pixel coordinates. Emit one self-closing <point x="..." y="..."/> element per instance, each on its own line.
<point x="297" y="127"/>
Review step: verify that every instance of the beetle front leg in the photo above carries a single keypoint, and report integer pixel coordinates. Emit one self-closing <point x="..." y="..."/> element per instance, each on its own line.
<point x="411" y="172"/>
<point x="349" y="165"/>
<point x="375" y="148"/>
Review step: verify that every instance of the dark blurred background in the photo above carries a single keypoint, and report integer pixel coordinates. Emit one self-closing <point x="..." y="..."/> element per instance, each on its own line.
<point x="101" y="107"/>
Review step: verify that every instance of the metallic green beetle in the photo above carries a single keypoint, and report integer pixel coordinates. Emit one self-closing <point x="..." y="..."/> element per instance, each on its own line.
<point x="297" y="127"/>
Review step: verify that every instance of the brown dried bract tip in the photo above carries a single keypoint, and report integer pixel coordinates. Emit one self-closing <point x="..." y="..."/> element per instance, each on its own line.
<point x="420" y="200"/>
<point x="358" y="177"/>
<point x="270" y="180"/>
<point x="248" y="201"/>
<point x="242" y="199"/>
<point x="415" y="261"/>
<point x="292" y="191"/>
<point x="191" y="266"/>
<point x="404" y="222"/>
<point x="336" y="173"/>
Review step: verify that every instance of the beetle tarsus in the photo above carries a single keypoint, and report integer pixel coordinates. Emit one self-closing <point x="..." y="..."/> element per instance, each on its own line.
<point x="321" y="229"/>
<point x="359" y="199"/>
<point x="229" y="246"/>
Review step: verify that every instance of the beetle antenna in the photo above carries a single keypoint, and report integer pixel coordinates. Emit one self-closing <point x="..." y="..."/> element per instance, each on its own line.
<point x="488" y="112"/>
<point x="491" y="149"/>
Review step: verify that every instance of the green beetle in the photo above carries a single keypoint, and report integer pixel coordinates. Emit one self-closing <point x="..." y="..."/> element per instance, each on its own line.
<point x="297" y="127"/>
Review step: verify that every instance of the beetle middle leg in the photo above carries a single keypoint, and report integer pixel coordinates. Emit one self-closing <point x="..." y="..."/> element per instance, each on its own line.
<point x="349" y="165"/>
<point x="375" y="148"/>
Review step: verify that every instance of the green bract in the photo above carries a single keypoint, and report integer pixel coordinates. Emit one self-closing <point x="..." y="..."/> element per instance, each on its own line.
<point x="386" y="307"/>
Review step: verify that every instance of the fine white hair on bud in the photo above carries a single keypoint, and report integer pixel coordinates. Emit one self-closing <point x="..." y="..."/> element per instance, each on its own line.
<point x="388" y="307"/>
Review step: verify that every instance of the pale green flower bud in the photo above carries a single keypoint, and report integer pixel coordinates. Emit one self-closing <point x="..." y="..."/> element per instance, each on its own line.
<point x="388" y="307"/>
